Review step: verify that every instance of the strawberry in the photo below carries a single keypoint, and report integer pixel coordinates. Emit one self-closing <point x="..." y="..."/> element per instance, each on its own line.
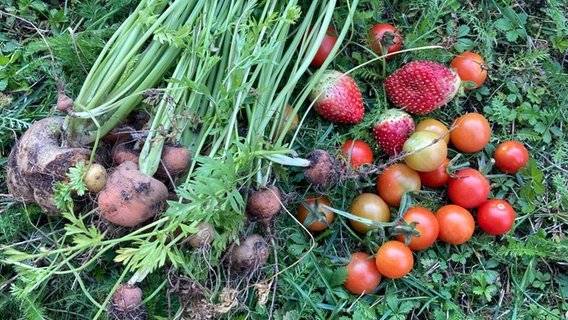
<point x="337" y="98"/>
<point x="392" y="129"/>
<point x="421" y="87"/>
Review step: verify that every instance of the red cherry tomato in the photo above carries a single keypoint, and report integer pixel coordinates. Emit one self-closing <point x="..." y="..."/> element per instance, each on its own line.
<point x="384" y="36"/>
<point x="327" y="44"/>
<point x="511" y="156"/>
<point x="427" y="225"/>
<point x="468" y="188"/>
<point x="436" y="178"/>
<point x="456" y="224"/>
<point x="369" y="206"/>
<point x="362" y="274"/>
<point x="313" y="207"/>
<point x="495" y="216"/>
<point x="394" y="259"/>
<point x="357" y="152"/>
<point x="470" y="132"/>
<point x="471" y="68"/>
<point x="395" y="181"/>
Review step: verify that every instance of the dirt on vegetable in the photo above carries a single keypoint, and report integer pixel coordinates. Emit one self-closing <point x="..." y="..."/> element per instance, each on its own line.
<point x="125" y="304"/>
<point x="203" y="237"/>
<point x="324" y="168"/>
<point x="175" y="161"/>
<point x="131" y="197"/>
<point x="251" y="254"/>
<point x="264" y="204"/>
<point x="38" y="161"/>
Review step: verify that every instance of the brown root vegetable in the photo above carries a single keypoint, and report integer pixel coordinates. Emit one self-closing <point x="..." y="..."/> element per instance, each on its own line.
<point x="64" y="103"/>
<point x="324" y="168"/>
<point x="131" y="197"/>
<point x="203" y="237"/>
<point x="95" y="178"/>
<point x="125" y="303"/>
<point x="123" y="152"/>
<point x="175" y="160"/>
<point x="251" y="254"/>
<point x="263" y="205"/>
<point x="38" y="161"/>
<point x="118" y="134"/>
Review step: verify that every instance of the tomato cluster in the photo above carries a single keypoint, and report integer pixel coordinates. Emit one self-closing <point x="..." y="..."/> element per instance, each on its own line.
<point x="419" y="228"/>
<point x="424" y="162"/>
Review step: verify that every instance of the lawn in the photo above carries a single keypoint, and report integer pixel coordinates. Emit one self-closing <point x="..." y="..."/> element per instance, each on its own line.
<point x="67" y="266"/>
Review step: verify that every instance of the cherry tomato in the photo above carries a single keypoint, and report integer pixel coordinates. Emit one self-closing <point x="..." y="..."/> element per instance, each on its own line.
<point x="327" y="44"/>
<point x="369" y="206"/>
<point x="471" y="68"/>
<point x="436" y="178"/>
<point x="511" y="156"/>
<point x="423" y="155"/>
<point x="468" y="188"/>
<point x="395" y="181"/>
<point x="471" y="132"/>
<point x="427" y="225"/>
<point x="394" y="259"/>
<point x="362" y="274"/>
<point x="312" y="207"/>
<point x="495" y="216"/>
<point x="383" y="35"/>
<point x="434" y="125"/>
<point x="456" y="224"/>
<point x="357" y="152"/>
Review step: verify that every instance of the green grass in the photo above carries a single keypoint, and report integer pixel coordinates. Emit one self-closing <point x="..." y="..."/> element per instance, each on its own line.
<point x="522" y="275"/>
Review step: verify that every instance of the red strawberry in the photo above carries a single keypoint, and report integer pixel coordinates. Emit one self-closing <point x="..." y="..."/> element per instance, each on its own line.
<point x="392" y="129"/>
<point x="338" y="98"/>
<point x="421" y="87"/>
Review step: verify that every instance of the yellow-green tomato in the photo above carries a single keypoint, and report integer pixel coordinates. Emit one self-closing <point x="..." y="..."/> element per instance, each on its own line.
<point x="369" y="206"/>
<point x="426" y="152"/>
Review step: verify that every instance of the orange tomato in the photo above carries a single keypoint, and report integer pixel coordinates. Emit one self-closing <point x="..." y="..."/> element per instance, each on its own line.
<point x="470" y="132"/>
<point x="471" y="68"/>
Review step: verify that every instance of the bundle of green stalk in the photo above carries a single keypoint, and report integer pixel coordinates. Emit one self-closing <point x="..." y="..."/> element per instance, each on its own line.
<point x="235" y="69"/>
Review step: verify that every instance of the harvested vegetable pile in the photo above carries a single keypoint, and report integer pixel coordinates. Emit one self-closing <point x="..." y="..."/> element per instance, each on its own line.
<point x="287" y="160"/>
<point x="177" y="107"/>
